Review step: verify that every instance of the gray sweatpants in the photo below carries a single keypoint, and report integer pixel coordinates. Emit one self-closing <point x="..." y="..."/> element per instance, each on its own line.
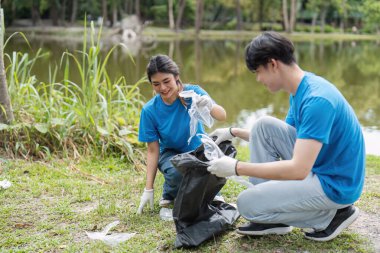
<point x="298" y="203"/>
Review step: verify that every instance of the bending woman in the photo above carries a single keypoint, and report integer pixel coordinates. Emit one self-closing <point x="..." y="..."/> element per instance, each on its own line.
<point x="165" y="126"/>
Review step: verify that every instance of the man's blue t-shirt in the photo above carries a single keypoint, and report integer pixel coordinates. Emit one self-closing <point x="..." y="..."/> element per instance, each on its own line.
<point x="319" y="111"/>
<point x="169" y="124"/>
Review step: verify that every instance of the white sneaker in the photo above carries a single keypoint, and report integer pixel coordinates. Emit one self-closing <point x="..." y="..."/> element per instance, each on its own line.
<point x="219" y="198"/>
<point x="165" y="202"/>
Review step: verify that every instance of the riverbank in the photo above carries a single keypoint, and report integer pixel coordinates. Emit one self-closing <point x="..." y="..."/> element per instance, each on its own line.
<point x="165" y="34"/>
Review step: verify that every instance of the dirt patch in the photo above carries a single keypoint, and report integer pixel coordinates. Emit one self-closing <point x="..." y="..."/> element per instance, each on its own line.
<point x="85" y="208"/>
<point x="368" y="225"/>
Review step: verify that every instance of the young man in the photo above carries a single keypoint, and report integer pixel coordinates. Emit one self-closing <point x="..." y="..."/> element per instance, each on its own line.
<point x="309" y="170"/>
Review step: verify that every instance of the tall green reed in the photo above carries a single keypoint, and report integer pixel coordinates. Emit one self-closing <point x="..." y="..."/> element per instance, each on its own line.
<point x="97" y="114"/>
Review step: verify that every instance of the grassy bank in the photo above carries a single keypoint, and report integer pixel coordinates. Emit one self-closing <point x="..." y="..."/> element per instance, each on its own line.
<point x="165" y="34"/>
<point x="51" y="204"/>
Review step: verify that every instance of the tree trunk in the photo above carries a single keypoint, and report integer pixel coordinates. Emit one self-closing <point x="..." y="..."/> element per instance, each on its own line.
<point x="54" y="13"/>
<point x="6" y="113"/>
<point x="74" y="12"/>
<point x="13" y="11"/>
<point x="63" y="12"/>
<point x="323" y="19"/>
<point x="285" y="15"/>
<point x="171" y="16"/>
<point x="137" y="9"/>
<point x="104" y="12"/>
<point x="343" y="17"/>
<point x="239" y="23"/>
<point x="35" y="12"/>
<point x="314" y="21"/>
<point x="293" y="15"/>
<point x="198" y="16"/>
<point x="128" y="5"/>
<point x="289" y="19"/>
<point x="261" y="14"/>
<point x="114" y="14"/>
<point x="181" y="8"/>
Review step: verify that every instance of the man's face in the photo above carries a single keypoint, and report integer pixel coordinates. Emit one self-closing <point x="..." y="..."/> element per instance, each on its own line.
<point x="268" y="75"/>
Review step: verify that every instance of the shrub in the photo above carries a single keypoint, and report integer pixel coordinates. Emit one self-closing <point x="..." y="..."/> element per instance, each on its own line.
<point x="98" y="114"/>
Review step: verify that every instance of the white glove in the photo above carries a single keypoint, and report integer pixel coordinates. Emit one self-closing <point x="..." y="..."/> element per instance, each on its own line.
<point x="147" y="196"/>
<point x="222" y="134"/>
<point x="223" y="167"/>
<point x="204" y="102"/>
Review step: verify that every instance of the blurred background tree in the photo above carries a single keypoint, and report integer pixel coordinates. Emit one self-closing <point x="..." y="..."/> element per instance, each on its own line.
<point x="282" y="15"/>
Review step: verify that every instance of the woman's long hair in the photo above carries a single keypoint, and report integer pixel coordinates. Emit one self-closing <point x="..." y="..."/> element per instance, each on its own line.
<point x="164" y="64"/>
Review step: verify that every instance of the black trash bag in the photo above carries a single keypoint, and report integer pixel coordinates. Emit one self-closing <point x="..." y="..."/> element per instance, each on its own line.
<point x="196" y="217"/>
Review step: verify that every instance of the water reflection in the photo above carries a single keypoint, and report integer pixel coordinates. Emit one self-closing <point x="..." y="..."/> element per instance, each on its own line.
<point x="372" y="141"/>
<point x="219" y="67"/>
<point x="247" y="118"/>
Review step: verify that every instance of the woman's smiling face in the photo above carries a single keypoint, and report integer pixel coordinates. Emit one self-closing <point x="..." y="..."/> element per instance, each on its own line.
<point x="165" y="84"/>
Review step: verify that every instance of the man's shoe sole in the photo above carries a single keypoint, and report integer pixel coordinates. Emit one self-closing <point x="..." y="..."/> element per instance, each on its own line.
<point x="339" y="229"/>
<point x="271" y="231"/>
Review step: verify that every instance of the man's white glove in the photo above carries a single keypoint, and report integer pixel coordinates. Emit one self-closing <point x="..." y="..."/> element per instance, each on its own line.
<point x="223" y="167"/>
<point x="222" y="134"/>
<point x="147" y="196"/>
<point x="204" y="102"/>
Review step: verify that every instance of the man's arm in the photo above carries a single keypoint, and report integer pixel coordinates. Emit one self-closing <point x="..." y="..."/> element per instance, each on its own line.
<point x="304" y="155"/>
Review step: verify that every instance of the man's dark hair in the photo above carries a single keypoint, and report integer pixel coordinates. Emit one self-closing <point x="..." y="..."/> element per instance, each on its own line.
<point x="267" y="46"/>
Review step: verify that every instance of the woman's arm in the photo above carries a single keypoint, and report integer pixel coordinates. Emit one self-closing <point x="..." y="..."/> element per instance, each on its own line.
<point x="218" y="112"/>
<point x="152" y="164"/>
<point x="240" y="132"/>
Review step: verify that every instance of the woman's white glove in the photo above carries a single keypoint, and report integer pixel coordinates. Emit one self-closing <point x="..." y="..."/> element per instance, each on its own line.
<point x="222" y="134"/>
<point x="223" y="167"/>
<point x="148" y="196"/>
<point x="204" y="102"/>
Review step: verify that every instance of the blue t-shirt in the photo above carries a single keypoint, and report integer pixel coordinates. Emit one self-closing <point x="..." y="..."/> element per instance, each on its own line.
<point x="169" y="124"/>
<point x="319" y="111"/>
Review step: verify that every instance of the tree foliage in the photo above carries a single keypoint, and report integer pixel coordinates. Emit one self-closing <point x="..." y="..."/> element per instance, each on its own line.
<point x="217" y="14"/>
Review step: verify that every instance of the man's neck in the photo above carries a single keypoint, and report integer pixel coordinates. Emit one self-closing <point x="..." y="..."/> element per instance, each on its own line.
<point x="293" y="75"/>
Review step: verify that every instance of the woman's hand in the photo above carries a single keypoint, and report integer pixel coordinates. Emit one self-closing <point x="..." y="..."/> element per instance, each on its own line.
<point x="147" y="197"/>
<point x="204" y="102"/>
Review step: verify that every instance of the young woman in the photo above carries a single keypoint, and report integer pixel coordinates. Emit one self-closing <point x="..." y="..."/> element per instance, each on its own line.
<point x="165" y="126"/>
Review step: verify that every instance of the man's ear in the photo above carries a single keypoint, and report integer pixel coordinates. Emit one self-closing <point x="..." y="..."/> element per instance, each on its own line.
<point x="273" y="63"/>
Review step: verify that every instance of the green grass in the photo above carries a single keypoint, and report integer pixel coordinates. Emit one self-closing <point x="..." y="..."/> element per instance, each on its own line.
<point x="50" y="206"/>
<point x="95" y="114"/>
<point x="370" y="199"/>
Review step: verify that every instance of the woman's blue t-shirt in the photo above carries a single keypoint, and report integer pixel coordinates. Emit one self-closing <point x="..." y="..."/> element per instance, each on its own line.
<point x="169" y="124"/>
<point x="319" y="111"/>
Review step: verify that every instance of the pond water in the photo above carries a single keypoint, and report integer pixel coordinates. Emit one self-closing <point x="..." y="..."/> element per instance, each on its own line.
<point x="219" y="67"/>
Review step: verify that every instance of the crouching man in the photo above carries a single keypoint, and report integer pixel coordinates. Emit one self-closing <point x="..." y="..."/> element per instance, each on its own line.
<point x="309" y="169"/>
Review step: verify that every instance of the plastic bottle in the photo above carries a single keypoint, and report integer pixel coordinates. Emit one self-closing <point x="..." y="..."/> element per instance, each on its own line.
<point x="166" y="214"/>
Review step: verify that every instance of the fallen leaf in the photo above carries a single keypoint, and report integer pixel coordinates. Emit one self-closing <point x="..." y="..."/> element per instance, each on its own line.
<point x="23" y="225"/>
<point x="245" y="246"/>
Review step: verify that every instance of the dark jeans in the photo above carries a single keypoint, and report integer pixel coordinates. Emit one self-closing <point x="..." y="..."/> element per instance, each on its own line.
<point x="172" y="176"/>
